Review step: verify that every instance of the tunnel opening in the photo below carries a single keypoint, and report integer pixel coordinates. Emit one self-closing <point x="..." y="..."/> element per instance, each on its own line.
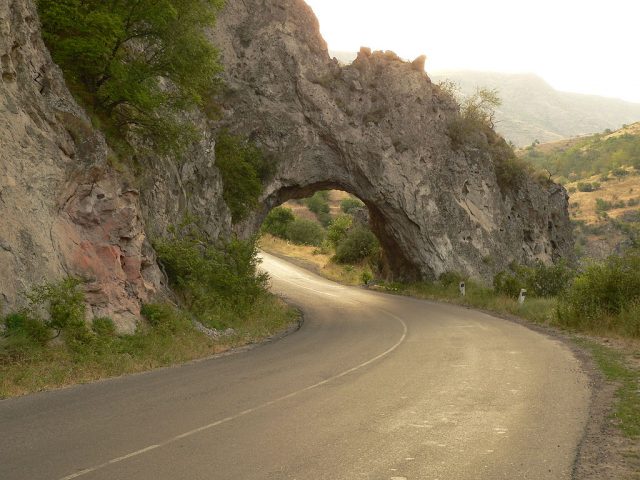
<point x="327" y="222"/>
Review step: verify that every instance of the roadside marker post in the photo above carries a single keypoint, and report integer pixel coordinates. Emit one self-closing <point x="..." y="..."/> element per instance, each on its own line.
<point x="523" y="295"/>
<point x="463" y="289"/>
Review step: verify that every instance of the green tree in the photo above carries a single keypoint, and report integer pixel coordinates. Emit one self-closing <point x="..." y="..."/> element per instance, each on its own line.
<point x="278" y="221"/>
<point x="338" y="229"/>
<point x="138" y="63"/>
<point x="243" y="168"/>
<point x="359" y="244"/>
<point x="305" y="232"/>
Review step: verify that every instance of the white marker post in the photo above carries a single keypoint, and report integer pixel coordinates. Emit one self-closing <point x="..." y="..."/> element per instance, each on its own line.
<point x="463" y="289"/>
<point x="523" y="295"/>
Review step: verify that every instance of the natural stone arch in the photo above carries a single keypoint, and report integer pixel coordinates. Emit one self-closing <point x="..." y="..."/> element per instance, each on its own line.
<point x="379" y="129"/>
<point x="395" y="264"/>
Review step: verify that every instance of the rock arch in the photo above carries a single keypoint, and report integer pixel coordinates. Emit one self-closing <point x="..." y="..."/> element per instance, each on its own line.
<point x="377" y="128"/>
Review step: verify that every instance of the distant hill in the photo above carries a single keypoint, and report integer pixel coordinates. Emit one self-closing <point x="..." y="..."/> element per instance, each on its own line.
<point x="582" y="157"/>
<point x="602" y="175"/>
<point x="532" y="110"/>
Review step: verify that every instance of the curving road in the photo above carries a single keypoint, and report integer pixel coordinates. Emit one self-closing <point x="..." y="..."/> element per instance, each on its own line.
<point x="372" y="387"/>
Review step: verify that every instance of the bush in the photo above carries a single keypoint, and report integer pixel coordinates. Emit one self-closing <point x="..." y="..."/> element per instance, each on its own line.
<point x="338" y="229"/>
<point x="165" y="318"/>
<point x="278" y="222"/>
<point x="586" y="187"/>
<point x="447" y="279"/>
<point x="350" y="205"/>
<point x="243" y="168"/>
<point x="319" y="204"/>
<point x="305" y="232"/>
<point x="214" y="281"/>
<point x="509" y="283"/>
<point x="359" y="244"/>
<point x="24" y="325"/>
<point x="539" y="280"/>
<point x="606" y="289"/>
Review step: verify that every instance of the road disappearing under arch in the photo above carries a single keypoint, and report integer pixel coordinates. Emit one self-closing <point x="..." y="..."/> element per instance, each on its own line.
<point x="372" y="386"/>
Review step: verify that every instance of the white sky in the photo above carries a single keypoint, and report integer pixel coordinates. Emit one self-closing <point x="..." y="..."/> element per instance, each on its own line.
<point x="584" y="46"/>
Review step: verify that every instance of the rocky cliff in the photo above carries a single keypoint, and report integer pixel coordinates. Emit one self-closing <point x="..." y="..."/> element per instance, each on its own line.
<point x="63" y="210"/>
<point x="377" y="128"/>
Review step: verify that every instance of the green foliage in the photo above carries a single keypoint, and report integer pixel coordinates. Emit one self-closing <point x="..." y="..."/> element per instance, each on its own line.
<point x="54" y="309"/>
<point x="216" y="283"/>
<point x="139" y="64"/>
<point x="165" y="318"/>
<point x="103" y="327"/>
<point x="448" y="279"/>
<point x="27" y="328"/>
<point x="278" y="222"/>
<point x="594" y="155"/>
<point x="243" y="168"/>
<point x="350" y="205"/>
<point x="605" y="205"/>
<point x="338" y="229"/>
<point x="474" y="126"/>
<point x="366" y="276"/>
<point x="509" y="283"/>
<point x="319" y="204"/>
<point x="539" y="280"/>
<point x="359" y="244"/>
<point x="606" y="290"/>
<point x="305" y="232"/>
<point x="63" y="302"/>
<point x="588" y="187"/>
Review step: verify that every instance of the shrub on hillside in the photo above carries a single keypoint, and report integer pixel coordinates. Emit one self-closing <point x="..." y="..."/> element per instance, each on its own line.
<point x="212" y="280"/>
<point x="359" y="244"/>
<point x="278" y="222"/>
<point x="603" y="290"/>
<point x="243" y="168"/>
<point x="539" y="280"/>
<point x="319" y="204"/>
<point x="305" y="232"/>
<point x="55" y="309"/>
<point x="349" y="205"/>
<point x="587" y="186"/>
<point x="338" y="229"/>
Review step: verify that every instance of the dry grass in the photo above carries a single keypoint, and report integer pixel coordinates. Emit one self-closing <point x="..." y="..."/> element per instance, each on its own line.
<point x="301" y="211"/>
<point x="313" y="259"/>
<point x="583" y="204"/>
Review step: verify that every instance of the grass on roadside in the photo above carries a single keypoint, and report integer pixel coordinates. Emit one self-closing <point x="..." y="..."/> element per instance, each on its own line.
<point x="617" y="369"/>
<point x="171" y="338"/>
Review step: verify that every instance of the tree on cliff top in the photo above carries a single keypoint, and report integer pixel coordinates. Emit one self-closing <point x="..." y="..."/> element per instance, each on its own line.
<point x="137" y="63"/>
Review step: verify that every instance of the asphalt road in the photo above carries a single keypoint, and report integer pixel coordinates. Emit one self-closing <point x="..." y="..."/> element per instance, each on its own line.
<point x="372" y="387"/>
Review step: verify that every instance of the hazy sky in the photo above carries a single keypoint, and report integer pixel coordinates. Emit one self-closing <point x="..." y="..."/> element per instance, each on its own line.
<point x="585" y="46"/>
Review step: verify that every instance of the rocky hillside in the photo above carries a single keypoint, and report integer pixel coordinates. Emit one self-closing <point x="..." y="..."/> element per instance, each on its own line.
<point x="602" y="175"/>
<point x="378" y="128"/>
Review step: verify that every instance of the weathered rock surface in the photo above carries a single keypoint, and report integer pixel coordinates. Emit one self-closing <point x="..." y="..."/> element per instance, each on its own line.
<point x="378" y="129"/>
<point x="63" y="211"/>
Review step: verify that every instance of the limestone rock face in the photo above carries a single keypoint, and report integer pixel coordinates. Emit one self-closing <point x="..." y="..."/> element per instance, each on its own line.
<point x="63" y="210"/>
<point x="378" y="129"/>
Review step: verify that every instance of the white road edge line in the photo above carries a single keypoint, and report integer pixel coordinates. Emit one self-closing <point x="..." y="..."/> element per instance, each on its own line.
<point x="246" y="412"/>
